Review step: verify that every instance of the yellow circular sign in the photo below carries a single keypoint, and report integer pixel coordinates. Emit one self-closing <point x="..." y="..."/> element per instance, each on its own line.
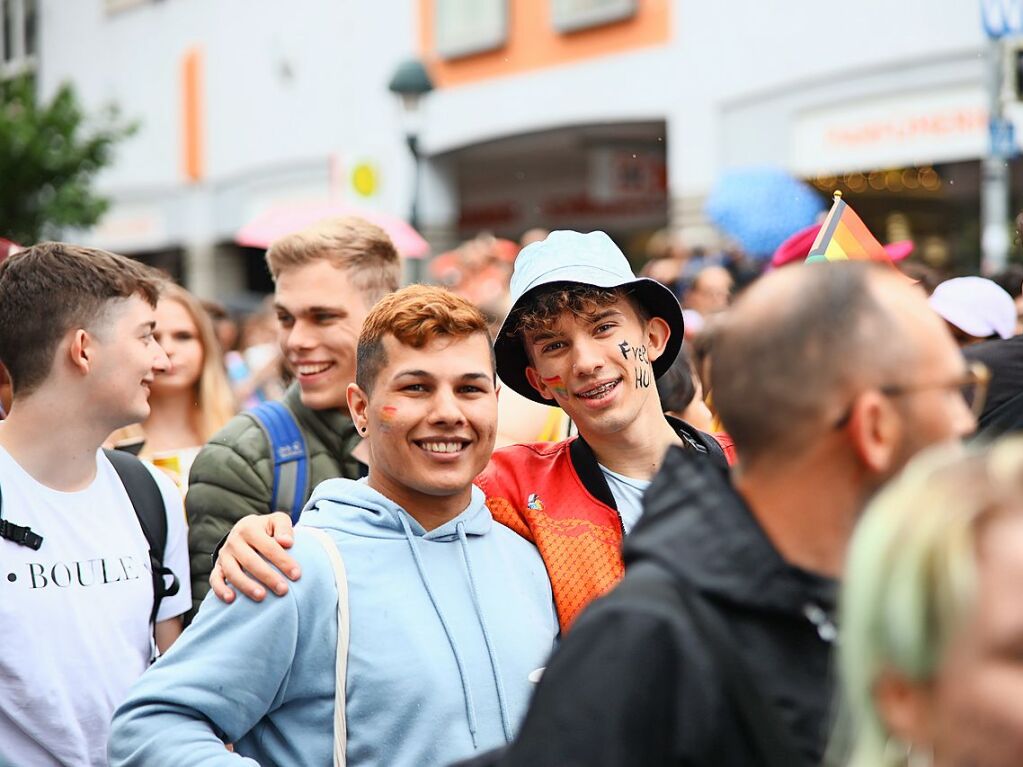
<point x="364" y="179"/>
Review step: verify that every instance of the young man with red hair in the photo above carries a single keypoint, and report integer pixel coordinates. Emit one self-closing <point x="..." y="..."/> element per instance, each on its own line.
<point x="450" y="614"/>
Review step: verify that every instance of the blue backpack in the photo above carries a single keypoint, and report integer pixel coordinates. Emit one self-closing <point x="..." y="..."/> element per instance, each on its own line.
<point x="291" y="458"/>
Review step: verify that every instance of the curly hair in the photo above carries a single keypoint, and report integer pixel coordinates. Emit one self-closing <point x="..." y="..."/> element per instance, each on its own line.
<point x="540" y="313"/>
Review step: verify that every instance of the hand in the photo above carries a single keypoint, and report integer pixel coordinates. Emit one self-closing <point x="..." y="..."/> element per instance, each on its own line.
<point x="254" y="544"/>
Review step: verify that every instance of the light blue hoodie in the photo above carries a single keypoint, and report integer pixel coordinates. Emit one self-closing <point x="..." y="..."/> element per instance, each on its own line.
<point x="446" y="627"/>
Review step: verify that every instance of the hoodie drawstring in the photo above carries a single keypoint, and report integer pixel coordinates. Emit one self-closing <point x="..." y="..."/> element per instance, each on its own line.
<point x="470" y="708"/>
<point x="505" y="721"/>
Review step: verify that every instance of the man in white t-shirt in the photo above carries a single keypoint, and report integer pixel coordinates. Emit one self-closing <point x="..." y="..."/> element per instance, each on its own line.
<point x="76" y="587"/>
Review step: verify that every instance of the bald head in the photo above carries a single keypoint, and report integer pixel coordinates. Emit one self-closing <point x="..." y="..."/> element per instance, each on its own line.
<point x="802" y="341"/>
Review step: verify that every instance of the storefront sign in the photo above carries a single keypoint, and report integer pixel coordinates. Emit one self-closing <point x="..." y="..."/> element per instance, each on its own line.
<point x="626" y="174"/>
<point x="897" y="131"/>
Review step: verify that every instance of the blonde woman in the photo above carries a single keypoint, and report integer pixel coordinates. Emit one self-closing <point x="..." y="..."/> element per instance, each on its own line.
<point x="931" y="648"/>
<point x="192" y="399"/>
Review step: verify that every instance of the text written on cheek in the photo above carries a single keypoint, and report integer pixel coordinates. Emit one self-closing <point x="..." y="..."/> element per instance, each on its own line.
<point x="638" y="352"/>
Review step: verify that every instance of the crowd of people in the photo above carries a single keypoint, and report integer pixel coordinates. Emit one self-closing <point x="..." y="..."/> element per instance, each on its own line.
<point x="731" y="518"/>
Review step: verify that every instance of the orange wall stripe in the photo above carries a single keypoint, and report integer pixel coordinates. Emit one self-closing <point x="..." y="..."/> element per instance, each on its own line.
<point x="192" y="154"/>
<point x="533" y="42"/>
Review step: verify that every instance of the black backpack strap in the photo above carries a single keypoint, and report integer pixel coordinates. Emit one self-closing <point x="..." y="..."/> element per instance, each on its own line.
<point x="584" y="461"/>
<point x="147" y="501"/>
<point x="769" y="734"/>
<point x="701" y="442"/>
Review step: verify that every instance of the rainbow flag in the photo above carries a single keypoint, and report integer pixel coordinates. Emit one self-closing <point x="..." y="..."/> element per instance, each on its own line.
<point x="844" y="237"/>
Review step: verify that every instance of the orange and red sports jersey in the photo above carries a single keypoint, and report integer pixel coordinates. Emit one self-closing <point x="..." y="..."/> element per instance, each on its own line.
<point x="555" y="495"/>
<point x="727" y="445"/>
<point x="537" y="492"/>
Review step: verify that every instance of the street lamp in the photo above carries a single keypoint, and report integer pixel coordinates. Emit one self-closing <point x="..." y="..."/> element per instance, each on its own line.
<point x="410" y="82"/>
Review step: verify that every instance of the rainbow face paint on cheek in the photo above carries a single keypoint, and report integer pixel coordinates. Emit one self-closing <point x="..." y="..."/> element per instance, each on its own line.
<point x="556" y="385"/>
<point x="387" y="415"/>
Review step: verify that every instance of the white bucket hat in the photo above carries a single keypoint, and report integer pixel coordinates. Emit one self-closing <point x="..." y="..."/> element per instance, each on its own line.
<point x="567" y="258"/>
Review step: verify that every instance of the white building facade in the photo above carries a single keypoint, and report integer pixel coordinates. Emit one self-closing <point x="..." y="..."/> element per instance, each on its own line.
<point x="613" y="114"/>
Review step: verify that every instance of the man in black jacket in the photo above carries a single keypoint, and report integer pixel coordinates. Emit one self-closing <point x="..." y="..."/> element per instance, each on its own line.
<point x="715" y="649"/>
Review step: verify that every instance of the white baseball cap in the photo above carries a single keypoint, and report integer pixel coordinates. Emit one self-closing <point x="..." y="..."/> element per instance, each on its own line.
<point x="977" y="306"/>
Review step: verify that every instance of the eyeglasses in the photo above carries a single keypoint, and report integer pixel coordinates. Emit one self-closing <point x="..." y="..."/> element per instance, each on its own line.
<point x="972" y="384"/>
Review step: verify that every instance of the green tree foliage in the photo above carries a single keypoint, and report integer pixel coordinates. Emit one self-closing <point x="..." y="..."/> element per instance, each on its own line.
<point x="50" y="154"/>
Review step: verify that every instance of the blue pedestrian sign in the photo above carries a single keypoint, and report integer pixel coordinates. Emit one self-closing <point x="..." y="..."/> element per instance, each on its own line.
<point x="1002" y="18"/>
<point x="1003" y="138"/>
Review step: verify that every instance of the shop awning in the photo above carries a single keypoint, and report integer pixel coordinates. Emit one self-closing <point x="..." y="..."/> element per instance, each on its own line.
<point x="283" y="219"/>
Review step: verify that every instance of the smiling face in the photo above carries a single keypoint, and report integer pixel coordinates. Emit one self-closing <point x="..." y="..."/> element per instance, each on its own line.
<point x="124" y="361"/>
<point x="597" y="366"/>
<point x="178" y="334"/>
<point x="320" y="314"/>
<point x="431" y="419"/>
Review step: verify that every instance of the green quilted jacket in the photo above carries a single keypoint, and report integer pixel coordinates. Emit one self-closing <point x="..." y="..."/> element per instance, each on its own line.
<point x="232" y="476"/>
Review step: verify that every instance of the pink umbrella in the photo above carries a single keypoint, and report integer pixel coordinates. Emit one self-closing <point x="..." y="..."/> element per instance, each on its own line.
<point x="280" y="220"/>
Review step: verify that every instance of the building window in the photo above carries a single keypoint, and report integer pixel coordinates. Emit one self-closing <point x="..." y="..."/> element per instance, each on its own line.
<point x="113" y="6"/>
<point x="571" y="15"/>
<point x="19" y="21"/>
<point x="464" y="27"/>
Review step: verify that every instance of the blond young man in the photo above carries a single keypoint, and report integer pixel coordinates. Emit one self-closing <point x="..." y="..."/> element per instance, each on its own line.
<point x="326" y="279"/>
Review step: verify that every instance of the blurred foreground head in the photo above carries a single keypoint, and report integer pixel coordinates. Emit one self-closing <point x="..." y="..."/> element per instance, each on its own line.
<point x="932" y="620"/>
<point x="838" y="364"/>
